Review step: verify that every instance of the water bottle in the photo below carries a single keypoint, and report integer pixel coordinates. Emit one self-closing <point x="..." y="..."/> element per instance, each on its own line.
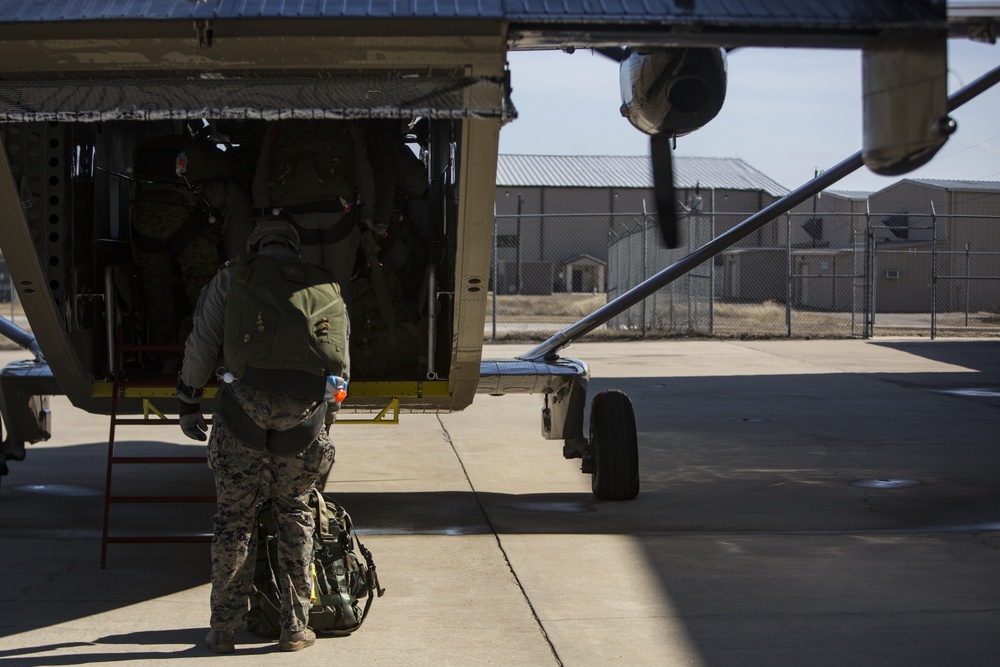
<point x="336" y="389"/>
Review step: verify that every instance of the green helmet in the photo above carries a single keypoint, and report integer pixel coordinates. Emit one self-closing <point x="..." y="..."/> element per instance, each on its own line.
<point x="272" y="230"/>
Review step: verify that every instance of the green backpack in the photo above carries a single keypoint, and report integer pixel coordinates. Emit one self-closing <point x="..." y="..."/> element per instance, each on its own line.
<point x="311" y="161"/>
<point x="341" y="580"/>
<point x="286" y="327"/>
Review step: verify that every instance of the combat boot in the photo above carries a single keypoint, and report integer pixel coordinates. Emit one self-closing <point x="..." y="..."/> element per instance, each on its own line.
<point x="296" y="641"/>
<point x="220" y="641"/>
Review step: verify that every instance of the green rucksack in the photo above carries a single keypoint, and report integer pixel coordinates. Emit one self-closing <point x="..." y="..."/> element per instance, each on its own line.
<point x="341" y="580"/>
<point x="311" y="161"/>
<point x="286" y="327"/>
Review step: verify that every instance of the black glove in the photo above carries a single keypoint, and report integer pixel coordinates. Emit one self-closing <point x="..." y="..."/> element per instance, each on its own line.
<point x="192" y="422"/>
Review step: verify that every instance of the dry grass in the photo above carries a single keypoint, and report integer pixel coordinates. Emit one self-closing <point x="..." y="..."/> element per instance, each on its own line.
<point x="553" y="312"/>
<point x="514" y="308"/>
<point x="766" y="311"/>
<point x="731" y="320"/>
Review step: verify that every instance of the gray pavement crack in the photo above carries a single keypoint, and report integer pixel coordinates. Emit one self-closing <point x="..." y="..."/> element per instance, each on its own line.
<point x="496" y="536"/>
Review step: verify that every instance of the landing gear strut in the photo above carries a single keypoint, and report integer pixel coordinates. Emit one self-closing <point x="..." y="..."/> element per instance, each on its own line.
<point x="614" y="447"/>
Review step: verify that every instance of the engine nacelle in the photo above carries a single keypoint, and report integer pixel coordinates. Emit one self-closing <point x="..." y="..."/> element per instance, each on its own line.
<point x="672" y="91"/>
<point x="905" y="101"/>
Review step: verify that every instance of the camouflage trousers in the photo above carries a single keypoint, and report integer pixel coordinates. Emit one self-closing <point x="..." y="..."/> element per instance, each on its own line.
<point x="243" y="477"/>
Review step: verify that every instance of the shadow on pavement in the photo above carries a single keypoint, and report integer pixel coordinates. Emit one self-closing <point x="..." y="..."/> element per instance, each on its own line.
<point x="750" y="516"/>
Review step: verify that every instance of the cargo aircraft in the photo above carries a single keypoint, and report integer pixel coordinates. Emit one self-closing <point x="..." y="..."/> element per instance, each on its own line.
<point x="84" y="82"/>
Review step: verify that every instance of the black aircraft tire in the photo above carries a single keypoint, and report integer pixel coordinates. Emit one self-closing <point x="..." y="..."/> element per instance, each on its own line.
<point x="614" y="446"/>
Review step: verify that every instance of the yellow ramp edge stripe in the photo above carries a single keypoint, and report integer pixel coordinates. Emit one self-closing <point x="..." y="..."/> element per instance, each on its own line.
<point x="391" y="389"/>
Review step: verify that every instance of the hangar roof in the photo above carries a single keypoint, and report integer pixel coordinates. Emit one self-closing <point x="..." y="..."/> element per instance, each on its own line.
<point x="946" y="184"/>
<point x="629" y="171"/>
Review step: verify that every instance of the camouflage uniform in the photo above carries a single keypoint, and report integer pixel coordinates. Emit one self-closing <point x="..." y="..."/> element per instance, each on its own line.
<point x="238" y="474"/>
<point x="158" y="212"/>
<point x="241" y="475"/>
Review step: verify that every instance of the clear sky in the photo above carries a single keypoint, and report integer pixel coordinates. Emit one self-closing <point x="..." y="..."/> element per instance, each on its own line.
<point x="788" y="112"/>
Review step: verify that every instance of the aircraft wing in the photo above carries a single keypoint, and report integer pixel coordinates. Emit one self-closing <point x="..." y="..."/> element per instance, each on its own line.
<point x="844" y="23"/>
<point x="709" y="14"/>
<point x="74" y="60"/>
<point x="531" y="23"/>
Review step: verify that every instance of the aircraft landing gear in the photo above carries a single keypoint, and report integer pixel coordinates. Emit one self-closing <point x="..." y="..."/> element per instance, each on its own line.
<point x="614" y="447"/>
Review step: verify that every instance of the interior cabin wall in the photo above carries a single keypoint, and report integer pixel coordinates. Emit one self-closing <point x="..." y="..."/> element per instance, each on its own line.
<point x="76" y="182"/>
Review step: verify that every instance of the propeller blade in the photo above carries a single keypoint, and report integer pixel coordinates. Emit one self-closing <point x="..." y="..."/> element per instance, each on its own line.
<point x="662" y="159"/>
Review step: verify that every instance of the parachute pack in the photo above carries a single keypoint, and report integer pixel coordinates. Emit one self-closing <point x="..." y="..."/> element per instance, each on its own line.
<point x="311" y="162"/>
<point x="286" y="327"/>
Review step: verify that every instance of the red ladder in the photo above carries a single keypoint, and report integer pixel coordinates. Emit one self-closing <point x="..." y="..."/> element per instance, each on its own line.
<point x="144" y="389"/>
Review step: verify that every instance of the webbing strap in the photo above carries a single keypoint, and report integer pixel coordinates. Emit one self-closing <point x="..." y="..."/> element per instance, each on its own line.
<point x="379" y="283"/>
<point x="323" y="528"/>
<point x="192" y="228"/>
<point x="322" y="516"/>
<point x="276" y="443"/>
<point x="335" y="232"/>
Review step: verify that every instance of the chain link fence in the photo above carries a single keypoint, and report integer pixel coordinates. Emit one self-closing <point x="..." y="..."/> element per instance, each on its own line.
<point x="922" y="275"/>
<point x="943" y="280"/>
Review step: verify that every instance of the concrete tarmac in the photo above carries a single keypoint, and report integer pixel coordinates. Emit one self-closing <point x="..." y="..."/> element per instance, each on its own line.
<point x="803" y="503"/>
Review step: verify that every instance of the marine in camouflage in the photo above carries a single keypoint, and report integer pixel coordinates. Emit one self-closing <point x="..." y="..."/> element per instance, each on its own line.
<point x="159" y="212"/>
